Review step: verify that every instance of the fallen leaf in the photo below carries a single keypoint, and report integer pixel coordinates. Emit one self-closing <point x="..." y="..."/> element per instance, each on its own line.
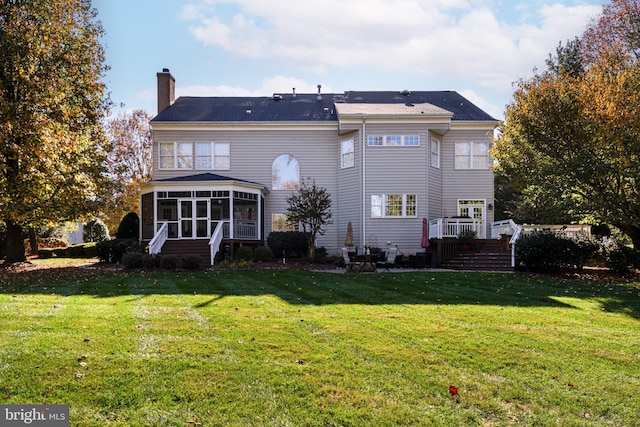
<point x="161" y="350"/>
<point x="49" y="390"/>
<point x="453" y="390"/>
<point x="570" y="385"/>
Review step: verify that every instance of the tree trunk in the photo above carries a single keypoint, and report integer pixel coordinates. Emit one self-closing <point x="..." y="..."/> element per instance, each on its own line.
<point x="15" y="243"/>
<point x="633" y="231"/>
<point x="33" y="241"/>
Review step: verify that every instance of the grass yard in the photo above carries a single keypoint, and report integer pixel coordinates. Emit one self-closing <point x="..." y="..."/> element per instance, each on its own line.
<point x="303" y="348"/>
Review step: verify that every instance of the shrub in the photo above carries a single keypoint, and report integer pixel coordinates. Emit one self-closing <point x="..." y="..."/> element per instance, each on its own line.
<point x="113" y="250"/>
<point x="129" y="227"/>
<point x="45" y="253"/>
<point x="244" y="253"/>
<point x="294" y="244"/>
<point x="321" y="255"/>
<point x="95" y="231"/>
<point x="90" y="250"/>
<point x="263" y="254"/>
<point x="169" y="262"/>
<point x="544" y="252"/>
<point x="191" y="262"/>
<point x="619" y="258"/>
<point x="133" y="260"/>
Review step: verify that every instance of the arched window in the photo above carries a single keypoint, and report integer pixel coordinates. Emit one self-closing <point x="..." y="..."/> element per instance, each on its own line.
<point x="285" y="173"/>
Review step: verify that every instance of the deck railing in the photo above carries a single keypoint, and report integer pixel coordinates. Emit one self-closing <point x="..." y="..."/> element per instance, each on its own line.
<point x="216" y="240"/>
<point x="440" y="228"/>
<point x="161" y="236"/>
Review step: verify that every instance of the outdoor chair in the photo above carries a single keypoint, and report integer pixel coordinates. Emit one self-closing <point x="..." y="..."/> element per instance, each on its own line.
<point x="390" y="259"/>
<point x="350" y="265"/>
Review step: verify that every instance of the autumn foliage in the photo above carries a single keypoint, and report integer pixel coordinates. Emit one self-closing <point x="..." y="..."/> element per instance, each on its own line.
<point x="570" y="143"/>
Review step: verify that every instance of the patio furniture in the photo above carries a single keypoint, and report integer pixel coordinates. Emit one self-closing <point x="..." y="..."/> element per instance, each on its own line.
<point x="390" y="259"/>
<point x="350" y="265"/>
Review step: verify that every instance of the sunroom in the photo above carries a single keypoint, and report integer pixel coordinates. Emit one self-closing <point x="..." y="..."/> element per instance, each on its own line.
<point x="201" y="214"/>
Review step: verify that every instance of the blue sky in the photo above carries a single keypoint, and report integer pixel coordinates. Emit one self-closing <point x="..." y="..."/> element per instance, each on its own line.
<point x="261" y="47"/>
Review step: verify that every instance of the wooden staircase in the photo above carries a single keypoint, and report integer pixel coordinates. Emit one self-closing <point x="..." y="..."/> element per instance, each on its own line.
<point x="188" y="247"/>
<point x="489" y="255"/>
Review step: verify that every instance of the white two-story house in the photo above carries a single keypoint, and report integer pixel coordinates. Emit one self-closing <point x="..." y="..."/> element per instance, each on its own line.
<point x="224" y="166"/>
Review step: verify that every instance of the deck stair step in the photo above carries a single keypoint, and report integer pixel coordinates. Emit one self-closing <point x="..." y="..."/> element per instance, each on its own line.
<point x="187" y="247"/>
<point x="488" y="255"/>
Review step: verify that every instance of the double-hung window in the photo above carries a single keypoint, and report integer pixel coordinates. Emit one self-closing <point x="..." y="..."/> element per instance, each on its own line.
<point x="393" y="140"/>
<point x="394" y="205"/>
<point x="472" y="155"/>
<point x="435" y="153"/>
<point x="212" y="155"/>
<point x="346" y="154"/>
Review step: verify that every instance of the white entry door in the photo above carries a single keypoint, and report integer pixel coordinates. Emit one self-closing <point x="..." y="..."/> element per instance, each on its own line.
<point x="475" y="209"/>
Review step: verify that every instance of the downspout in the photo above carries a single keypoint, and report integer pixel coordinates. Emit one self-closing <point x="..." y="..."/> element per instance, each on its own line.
<point x="363" y="227"/>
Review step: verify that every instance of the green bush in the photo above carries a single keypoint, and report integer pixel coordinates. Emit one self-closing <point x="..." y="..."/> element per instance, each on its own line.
<point x="244" y="253"/>
<point x="129" y="227"/>
<point x="113" y="250"/>
<point x="95" y="231"/>
<point x="619" y="257"/>
<point x="294" y="244"/>
<point x="90" y="250"/>
<point x="169" y="262"/>
<point x="133" y="260"/>
<point x="191" y="262"/>
<point x="546" y="252"/>
<point x="46" y="253"/>
<point x="321" y="255"/>
<point x="263" y="254"/>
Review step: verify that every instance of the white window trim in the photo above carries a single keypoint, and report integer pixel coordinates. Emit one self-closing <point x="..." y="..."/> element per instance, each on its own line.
<point x="347" y="159"/>
<point x="194" y="156"/>
<point x="470" y="163"/>
<point x="435" y="155"/>
<point x="383" y="206"/>
<point x="386" y="138"/>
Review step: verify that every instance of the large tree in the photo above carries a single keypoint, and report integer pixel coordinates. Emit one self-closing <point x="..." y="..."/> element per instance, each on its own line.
<point x="129" y="163"/>
<point x="571" y="140"/>
<point x="52" y="146"/>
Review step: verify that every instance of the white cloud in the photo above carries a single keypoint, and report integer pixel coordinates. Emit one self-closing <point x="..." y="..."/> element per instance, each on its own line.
<point x="439" y="39"/>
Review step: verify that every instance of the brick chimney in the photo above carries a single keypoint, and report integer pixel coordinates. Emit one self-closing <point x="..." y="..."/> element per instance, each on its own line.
<point x="166" y="89"/>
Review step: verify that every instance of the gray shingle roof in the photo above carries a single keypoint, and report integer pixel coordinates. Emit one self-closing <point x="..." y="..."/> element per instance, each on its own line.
<point x="306" y="107"/>
<point x="202" y="177"/>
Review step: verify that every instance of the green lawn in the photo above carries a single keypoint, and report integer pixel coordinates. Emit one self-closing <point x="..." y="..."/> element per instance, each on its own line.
<point x="302" y="348"/>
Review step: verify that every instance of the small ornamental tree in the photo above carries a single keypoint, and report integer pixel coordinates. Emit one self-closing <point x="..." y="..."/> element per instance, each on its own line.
<point x="128" y="228"/>
<point x="310" y="206"/>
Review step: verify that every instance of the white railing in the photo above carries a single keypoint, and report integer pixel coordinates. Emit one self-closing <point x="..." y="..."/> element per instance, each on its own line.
<point x="452" y="227"/>
<point x="566" y="230"/>
<point x="512" y="242"/>
<point x="216" y="239"/>
<point x="504" y="227"/>
<point x="245" y="229"/>
<point x="161" y="236"/>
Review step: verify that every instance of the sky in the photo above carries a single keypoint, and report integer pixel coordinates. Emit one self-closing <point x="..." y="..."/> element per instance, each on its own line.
<point x="478" y="48"/>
